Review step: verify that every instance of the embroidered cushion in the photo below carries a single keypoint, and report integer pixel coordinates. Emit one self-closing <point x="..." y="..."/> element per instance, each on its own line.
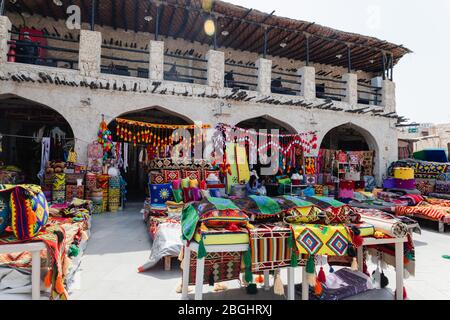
<point x="339" y="215"/>
<point x="222" y="218"/>
<point x="187" y="195"/>
<point x="442" y="187"/>
<point x="185" y="183"/>
<point x="303" y="215"/>
<point x="196" y="194"/>
<point x="29" y="211"/>
<point x="207" y="173"/>
<point x="192" y="174"/>
<point x="161" y="193"/>
<point x="171" y="175"/>
<point x="176" y="185"/>
<point x="5" y="210"/>
<point x="193" y="183"/>
<point x="156" y="177"/>
<point x="178" y="195"/>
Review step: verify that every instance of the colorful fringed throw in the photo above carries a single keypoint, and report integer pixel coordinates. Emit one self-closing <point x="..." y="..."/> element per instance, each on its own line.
<point x="53" y="236"/>
<point x="316" y="239"/>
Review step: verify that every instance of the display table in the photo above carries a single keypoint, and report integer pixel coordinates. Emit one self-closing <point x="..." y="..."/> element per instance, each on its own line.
<point x="35" y="248"/>
<point x="373" y="242"/>
<point x="193" y="246"/>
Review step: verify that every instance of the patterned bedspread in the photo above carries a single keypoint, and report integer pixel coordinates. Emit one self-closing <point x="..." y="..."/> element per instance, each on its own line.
<point x="427" y="210"/>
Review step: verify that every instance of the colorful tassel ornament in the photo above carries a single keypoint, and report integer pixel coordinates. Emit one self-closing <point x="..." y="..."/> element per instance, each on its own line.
<point x="278" y="287"/>
<point x="321" y="276"/>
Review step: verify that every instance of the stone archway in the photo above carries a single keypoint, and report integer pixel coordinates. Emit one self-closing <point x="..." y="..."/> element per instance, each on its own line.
<point x="352" y="137"/>
<point x="23" y="123"/>
<point x="267" y="122"/>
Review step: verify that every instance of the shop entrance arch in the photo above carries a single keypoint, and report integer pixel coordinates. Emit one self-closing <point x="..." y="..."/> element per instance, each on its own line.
<point x="23" y="125"/>
<point x="358" y="143"/>
<point x="137" y="165"/>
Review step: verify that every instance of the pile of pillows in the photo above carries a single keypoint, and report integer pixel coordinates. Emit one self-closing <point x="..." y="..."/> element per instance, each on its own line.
<point x="181" y="191"/>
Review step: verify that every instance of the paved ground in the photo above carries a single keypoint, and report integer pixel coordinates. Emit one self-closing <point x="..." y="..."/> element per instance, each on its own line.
<point x="120" y="244"/>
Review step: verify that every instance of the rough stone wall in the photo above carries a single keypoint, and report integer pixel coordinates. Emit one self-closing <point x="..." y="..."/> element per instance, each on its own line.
<point x="89" y="56"/>
<point x="5" y="26"/>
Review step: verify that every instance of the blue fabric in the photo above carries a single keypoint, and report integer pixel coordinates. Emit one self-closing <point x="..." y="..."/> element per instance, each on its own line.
<point x="161" y="193"/>
<point x="215" y="193"/>
<point x="309" y="192"/>
<point x="253" y="190"/>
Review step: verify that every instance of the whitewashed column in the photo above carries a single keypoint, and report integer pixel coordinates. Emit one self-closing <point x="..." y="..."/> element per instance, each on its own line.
<point x="388" y="96"/>
<point x="89" y="58"/>
<point x="264" y="76"/>
<point x="156" y="63"/>
<point x="5" y="36"/>
<point x="308" y="82"/>
<point x="216" y="69"/>
<point x="351" y="88"/>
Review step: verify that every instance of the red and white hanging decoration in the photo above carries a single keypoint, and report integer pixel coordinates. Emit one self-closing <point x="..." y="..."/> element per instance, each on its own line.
<point x="285" y="143"/>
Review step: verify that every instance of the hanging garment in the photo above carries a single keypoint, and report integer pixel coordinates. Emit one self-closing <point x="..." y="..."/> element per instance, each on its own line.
<point x="125" y="157"/>
<point x="45" y="157"/>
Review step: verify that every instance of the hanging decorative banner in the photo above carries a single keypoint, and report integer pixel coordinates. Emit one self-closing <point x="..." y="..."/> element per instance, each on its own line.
<point x="158" y="126"/>
<point x="283" y="142"/>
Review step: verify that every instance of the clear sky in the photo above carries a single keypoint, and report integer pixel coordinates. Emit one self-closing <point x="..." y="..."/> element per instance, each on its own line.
<point x="423" y="77"/>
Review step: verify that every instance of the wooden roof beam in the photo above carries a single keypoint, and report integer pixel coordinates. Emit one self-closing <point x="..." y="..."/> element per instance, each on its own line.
<point x="253" y="30"/>
<point x="124" y="15"/>
<point x="232" y="32"/>
<point x="169" y="30"/>
<point x="113" y="14"/>
<point x="184" y="22"/>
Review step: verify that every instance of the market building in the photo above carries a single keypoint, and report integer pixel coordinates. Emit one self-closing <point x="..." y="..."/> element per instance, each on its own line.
<point x="153" y="61"/>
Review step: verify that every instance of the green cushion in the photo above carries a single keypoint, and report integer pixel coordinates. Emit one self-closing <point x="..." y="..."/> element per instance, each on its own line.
<point x="178" y="195"/>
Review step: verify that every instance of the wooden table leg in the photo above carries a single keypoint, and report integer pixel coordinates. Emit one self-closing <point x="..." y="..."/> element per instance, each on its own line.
<point x="291" y="283"/>
<point x="200" y="272"/>
<point x="441" y="227"/>
<point x="266" y="280"/>
<point x="186" y="265"/>
<point x="360" y="254"/>
<point x="36" y="275"/>
<point x="167" y="263"/>
<point x="305" y="285"/>
<point x="399" y="270"/>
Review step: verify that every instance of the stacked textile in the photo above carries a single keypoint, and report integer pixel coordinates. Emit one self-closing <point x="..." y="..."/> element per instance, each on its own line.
<point x="102" y="183"/>
<point x="59" y="188"/>
<point x="114" y="193"/>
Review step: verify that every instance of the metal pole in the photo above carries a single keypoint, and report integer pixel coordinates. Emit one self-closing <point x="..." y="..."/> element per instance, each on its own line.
<point x="392" y="67"/>
<point x="383" y="60"/>
<point x="157" y="23"/>
<point x="349" y="54"/>
<point x="215" y="35"/>
<point x="2" y="7"/>
<point x="93" y="15"/>
<point x="265" y="43"/>
<point x="307" y="50"/>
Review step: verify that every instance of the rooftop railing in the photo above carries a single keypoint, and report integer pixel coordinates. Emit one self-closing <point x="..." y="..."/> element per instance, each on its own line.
<point x="330" y="88"/>
<point x="45" y="50"/>
<point x="241" y="76"/>
<point x="368" y="94"/>
<point x="188" y="69"/>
